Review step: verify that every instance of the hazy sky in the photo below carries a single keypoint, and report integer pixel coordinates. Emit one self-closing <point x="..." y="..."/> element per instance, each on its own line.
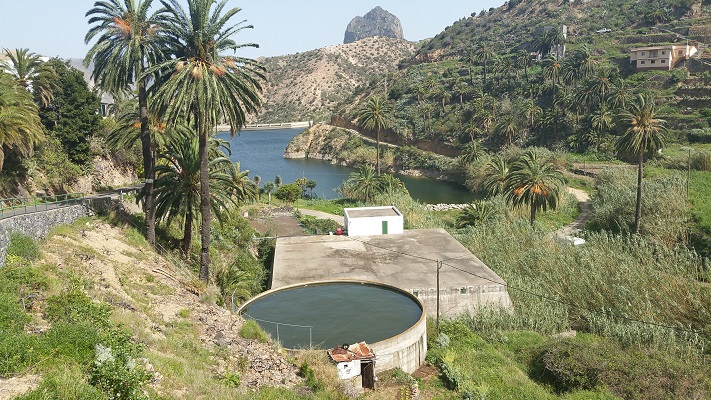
<point x="57" y="27"/>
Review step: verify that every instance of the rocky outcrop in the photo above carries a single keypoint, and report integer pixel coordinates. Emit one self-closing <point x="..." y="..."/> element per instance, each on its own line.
<point x="377" y="22"/>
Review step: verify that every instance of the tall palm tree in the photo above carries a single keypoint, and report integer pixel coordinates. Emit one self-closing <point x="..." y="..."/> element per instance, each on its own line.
<point x="534" y="183"/>
<point x="177" y="184"/>
<point x="20" y="125"/>
<point x="523" y="61"/>
<point x="127" y="45"/>
<point x="376" y="114"/>
<point x="508" y="127"/>
<point x="644" y="132"/>
<point x="204" y="86"/>
<point x="243" y="188"/>
<point x="469" y="58"/>
<point x="483" y="54"/>
<point x="31" y="73"/>
<point x="268" y="188"/>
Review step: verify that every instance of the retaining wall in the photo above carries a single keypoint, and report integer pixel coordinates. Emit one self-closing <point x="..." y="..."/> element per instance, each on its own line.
<point x="37" y="224"/>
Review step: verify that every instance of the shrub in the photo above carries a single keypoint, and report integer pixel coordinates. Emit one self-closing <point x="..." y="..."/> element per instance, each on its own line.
<point x="115" y="370"/>
<point x="588" y="362"/>
<point x="306" y="372"/>
<point x="23" y="246"/>
<point x="289" y="192"/>
<point x="318" y="226"/>
<point x="73" y="306"/>
<point x="701" y="161"/>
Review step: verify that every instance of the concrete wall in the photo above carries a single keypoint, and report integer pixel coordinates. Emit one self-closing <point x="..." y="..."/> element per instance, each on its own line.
<point x="38" y="224"/>
<point x="406" y="351"/>
<point x="455" y="301"/>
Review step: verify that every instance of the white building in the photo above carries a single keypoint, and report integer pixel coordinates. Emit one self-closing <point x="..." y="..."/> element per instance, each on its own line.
<point x="369" y="221"/>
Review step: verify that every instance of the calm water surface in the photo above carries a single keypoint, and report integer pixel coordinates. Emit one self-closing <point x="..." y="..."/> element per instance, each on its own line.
<point x="337" y="312"/>
<point x="261" y="152"/>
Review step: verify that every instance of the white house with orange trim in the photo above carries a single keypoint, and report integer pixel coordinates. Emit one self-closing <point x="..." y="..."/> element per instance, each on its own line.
<point x="660" y="57"/>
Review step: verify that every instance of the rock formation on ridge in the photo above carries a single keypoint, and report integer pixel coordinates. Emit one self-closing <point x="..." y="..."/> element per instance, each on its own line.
<point x="377" y="22"/>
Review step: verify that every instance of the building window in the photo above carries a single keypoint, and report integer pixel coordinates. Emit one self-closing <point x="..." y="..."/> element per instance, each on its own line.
<point x="642" y="53"/>
<point x="642" y="62"/>
<point x="664" y="52"/>
<point x="663" y="61"/>
<point x="681" y="52"/>
<point x="654" y="61"/>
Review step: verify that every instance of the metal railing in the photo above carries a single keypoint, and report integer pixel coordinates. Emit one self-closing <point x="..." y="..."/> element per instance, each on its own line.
<point x="24" y="205"/>
<point x="310" y="328"/>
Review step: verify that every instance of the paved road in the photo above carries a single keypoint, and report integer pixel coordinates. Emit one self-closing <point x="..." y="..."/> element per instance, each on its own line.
<point x="112" y="194"/>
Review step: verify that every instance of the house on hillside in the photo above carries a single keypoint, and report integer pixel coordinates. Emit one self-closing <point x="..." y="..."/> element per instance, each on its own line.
<point x="660" y="57"/>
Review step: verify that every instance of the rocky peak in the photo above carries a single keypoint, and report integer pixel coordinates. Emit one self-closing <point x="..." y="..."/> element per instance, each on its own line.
<point x="377" y="22"/>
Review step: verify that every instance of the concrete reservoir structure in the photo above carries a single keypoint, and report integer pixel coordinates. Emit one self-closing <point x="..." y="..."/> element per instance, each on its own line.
<point x="367" y="221"/>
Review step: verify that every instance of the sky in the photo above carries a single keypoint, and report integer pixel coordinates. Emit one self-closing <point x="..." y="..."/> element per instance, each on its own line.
<point x="57" y="27"/>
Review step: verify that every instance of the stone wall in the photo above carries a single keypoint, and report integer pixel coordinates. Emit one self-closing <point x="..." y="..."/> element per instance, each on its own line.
<point x="37" y="225"/>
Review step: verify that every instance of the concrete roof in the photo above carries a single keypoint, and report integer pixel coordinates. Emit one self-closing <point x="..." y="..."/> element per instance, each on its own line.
<point x="404" y="260"/>
<point x="366" y="212"/>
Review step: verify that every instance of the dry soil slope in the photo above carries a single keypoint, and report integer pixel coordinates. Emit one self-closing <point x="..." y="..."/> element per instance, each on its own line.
<point x="309" y="85"/>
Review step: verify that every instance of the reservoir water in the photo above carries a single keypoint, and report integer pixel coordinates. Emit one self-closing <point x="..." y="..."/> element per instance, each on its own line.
<point x="261" y="152"/>
<point x="325" y="315"/>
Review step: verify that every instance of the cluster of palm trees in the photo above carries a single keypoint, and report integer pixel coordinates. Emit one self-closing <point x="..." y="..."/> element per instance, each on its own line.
<point x="174" y="62"/>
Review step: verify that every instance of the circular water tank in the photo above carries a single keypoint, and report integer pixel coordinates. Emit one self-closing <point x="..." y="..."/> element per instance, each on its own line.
<point x="328" y="314"/>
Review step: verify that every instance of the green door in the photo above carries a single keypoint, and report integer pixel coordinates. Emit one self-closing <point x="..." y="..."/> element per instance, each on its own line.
<point x="385" y="227"/>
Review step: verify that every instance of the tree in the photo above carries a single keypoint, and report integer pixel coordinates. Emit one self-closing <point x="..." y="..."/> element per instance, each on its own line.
<point x="363" y="184"/>
<point x="471" y="152"/>
<point x="311" y="185"/>
<point x="644" y="132"/>
<point x="72" y="115"/>
<point x="534" y="183"/>
<point x="375" y="115"/>
<point x="243" y="188"/>
<point x="483" y="54"/>
<point x="523" y="61"/>
<point x="202" y="85"/>
<point x="277" y="180"/>
<point x="496" y="173"/>
<point x="177" y="184"/>
<point x="289" y="192"/>
<point x="20" y="127"/>
<point x="127" y="45"/>
<point x="31" y="73"/>
<point x="268" y="188"/>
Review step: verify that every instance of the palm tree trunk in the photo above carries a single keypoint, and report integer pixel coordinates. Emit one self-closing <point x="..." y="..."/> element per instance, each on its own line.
<point x="533" y="215"/>
<point x="188" y="233"/>
<point x="148" y="166"/>
<point x="638" y="207"/>
<point x="377" y="157"/>
<point x="204" y="205"/>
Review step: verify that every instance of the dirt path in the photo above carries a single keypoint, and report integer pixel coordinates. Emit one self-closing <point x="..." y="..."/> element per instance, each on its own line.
<point x="585" y="214"/>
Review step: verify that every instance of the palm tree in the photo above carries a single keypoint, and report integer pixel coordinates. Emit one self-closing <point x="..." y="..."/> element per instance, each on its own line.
<point x="475" y="213"/>
<point x="31" y="73"/>
<point x="483" y="54"/>
<point x="363" y="184"/>
<point x="523" y="61"/>
<point x="268" y="188"/>
<point x="534" y="183"/>
<point x="202" y="85"/>
<point x="496" y="173"/>
<point x="508" y="127"/>
<point x="177" y="184"/>
<point x="375" y="115"/>
<point x="471" y="152"/>
<point x="469" y="58"/>
<point x="243" y="188"/>
<point x="644" y="132"/>
<point x="127" y="45"/>
<point x="20" y="125"/>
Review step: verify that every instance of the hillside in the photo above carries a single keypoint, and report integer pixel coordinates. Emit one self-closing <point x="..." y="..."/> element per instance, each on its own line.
<point x="309" y="85"/>
<point x="478" y="78"/>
